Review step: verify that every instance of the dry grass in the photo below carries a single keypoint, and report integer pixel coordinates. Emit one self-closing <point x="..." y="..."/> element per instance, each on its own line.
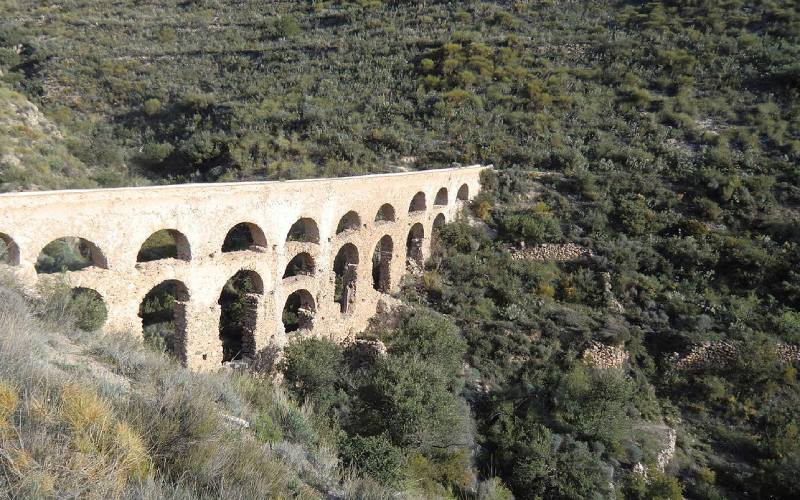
<point x="92" y="415"/>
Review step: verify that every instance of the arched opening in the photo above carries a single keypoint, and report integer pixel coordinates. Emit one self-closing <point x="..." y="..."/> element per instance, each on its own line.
<point x="438" y="223"/>
<point x="164" y="244"/>
<point x="87" y="308"/>
<point x="417" y="203"/>
<point x="298" y="313"/>
<point x="163" y="313"/>
<point x="244" y="236"/>
<point x="441" y="197"/>
<point x="301" y="265"/>
<point x="350" y="221"/>
<point x="239" y="314"/>
<point x="304" y="230"/>
<point x="9" y="251"/>
<point x="381" y="265"/>
<point x="69" y="254"/>
<point x="345" y="267"/>
<point x="385" y="213"/>
<point x="416" y="236"/>
<point x="463" y="193"/>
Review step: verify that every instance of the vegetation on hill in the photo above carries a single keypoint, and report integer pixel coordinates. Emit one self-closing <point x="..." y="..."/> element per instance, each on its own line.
<point x="88" y="415"/>
<point x="669" y="137"/>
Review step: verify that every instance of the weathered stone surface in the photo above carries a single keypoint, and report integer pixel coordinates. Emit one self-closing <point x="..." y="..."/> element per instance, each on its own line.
<point x="605" y="356"/>
<point x="552" y="251"/>
<point x="118" y="221"/>
<point x="719" y="354"/>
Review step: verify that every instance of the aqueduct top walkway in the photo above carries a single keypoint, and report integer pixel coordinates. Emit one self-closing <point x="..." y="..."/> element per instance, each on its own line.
<point x="375" y="224"/>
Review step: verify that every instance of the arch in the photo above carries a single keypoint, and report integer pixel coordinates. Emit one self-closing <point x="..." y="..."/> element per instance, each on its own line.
<point x="239" y="301"/>
<point x="164" y="244"/>
<point x="463" y="193"/>
<point x="416" y="236"/>
<point x="345" y="269"/>
<point x="301" y="264"/>
<point x="298" y="312"/>
<point x="244" y="236"/>
<point x="163" y="314"/>
<point x="381" y="264"/>
<point x="9" y="251"/>
<point x="349" y="221"/>
<point x="385" y="213"/>
<point x="441" y="198"/>
<point x="69" y="253"/>
<point x="418" y="203"/>
<point x="438" y="222"/>
<point x="87" y="308"/>
<point x="304" y="230"/>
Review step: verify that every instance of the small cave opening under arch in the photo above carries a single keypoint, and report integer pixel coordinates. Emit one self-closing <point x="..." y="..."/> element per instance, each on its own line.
<point x="163" y="314"/>
<point x="301" y="264"/>
<point x="381" y="265"/>
<point x="345" y="269"/>
<point x="416" y="237"/>
<point x="9" y="251"/>
<point x="305" y="230"/>
<point x="418" y="203"/>
<point x="385" y="213"/>
<point x="441" y="198"/>
<point x="298" y="312"/>
<point x="239" y="302"/>
<point x="164" y="244"/>
<point x="349" y="222"/>
<point x="244" y="236"/>
<point x="69" y="253"/>
<point x="463" y="193"/>
<point x="87" y="308"/>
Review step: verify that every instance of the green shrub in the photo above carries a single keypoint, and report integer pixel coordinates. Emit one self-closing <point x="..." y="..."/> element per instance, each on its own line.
<point x="375" y="456"/>
<point x="529" y="226"/>
<point x="265" y="428"/>
<point x="151" y="107"/>
<point x="88" y="309"/>
<point x="312" y="369"/>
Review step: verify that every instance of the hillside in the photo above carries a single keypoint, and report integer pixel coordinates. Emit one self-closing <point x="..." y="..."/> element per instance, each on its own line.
<point x="615" y="314"/>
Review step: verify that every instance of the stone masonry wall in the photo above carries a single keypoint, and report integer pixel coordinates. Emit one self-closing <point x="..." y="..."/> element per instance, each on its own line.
<point x="117" y="221"/>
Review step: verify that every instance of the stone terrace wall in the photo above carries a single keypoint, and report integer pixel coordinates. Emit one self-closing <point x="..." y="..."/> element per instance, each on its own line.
<point x="117" y="221"/>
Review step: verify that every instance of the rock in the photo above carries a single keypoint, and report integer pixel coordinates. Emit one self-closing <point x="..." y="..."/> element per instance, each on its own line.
<point x="552" y="251"/>
<point x="724" y="352"/>
<point x="605" y="356"/>
<point x="236" y="421"/>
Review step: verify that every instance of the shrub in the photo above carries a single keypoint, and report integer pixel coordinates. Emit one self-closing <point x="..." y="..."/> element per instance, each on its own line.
<point x="266" y="429"/>
<point x="88" y="309"/>
<point x="529" y="226"/>
<point x="431" y="337"/>
<point x="151" y="107"/>
<point x="312" y="368"/>
<point x="375" y="456"/>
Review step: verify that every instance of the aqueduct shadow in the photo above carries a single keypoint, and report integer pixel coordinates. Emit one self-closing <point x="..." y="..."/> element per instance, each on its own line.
<point x="239" y="302"/>
<point x="244" y="236"/>
<point x="163" y="314"/>
<point x="381" y="265"/>
<point x="165" y="244"/>
<point x="298" y="312"/>
<point x="345" y="269"/>
<point x="69" y="253"/>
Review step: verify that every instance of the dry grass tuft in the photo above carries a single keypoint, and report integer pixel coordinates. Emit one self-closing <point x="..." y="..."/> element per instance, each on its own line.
<point x="8" y="402"/>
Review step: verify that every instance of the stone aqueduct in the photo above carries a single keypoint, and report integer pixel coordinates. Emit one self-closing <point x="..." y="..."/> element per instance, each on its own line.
<point x="316" y="219"/>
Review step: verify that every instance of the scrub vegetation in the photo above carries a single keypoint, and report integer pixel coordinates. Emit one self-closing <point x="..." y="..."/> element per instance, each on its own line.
<point x="663" y="137"/>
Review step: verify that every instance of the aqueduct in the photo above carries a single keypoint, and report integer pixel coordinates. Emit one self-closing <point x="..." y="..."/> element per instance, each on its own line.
<point x="325" y="250"/>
